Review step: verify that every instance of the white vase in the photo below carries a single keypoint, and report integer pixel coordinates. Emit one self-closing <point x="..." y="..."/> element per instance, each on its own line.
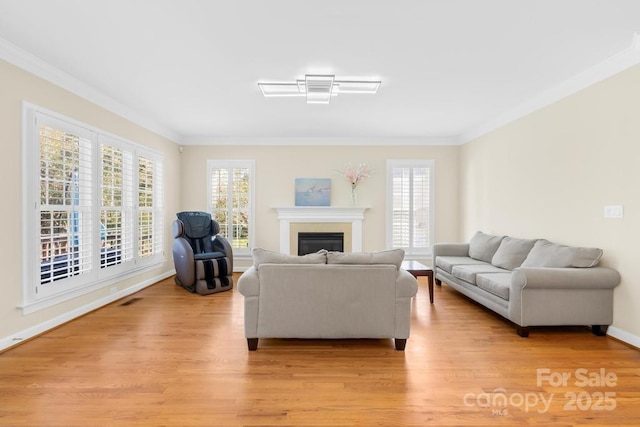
<point x="354" y="196"/>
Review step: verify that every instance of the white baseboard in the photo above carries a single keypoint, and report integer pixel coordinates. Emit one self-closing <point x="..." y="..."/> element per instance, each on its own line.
<point x="624" y="336"/>
<point x="36" y="330"/>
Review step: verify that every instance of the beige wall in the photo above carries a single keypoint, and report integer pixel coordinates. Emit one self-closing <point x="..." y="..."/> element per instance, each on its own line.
<point x="278" y="166"/>
<point x="551" y="173"/>
<point x="16" y="86"/>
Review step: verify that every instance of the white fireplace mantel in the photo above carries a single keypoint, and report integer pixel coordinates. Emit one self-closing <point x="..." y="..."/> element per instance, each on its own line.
<point x="320" y="214"/>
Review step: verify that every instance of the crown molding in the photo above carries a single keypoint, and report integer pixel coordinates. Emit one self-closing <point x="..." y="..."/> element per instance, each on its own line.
<point x="611" y="66"/>
<point x="34" y="65"/>
<point x="607" y="68"/>
<point x="330" y="141"/>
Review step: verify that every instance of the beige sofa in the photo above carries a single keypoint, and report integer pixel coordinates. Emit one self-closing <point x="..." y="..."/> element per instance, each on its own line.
<point x="327" y="295"/>
<point x="530" y="282"/>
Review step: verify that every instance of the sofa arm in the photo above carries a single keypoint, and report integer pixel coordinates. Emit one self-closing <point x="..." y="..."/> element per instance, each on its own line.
<point x="562" y="296"/>
<point x="249" y="283"/>
<point x="249" y="287"/>
<point x="564" y="278"/>
<point x="406" y="284"/>
<point x="449" y="249"/>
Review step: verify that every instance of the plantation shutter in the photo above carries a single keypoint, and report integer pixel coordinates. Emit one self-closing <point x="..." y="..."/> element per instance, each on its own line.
<point x="240" y="207"/>
<point x="146" y="233"/>
<point x="65" y="203"/>
<point x="230" y="201"/>
<point x="220" y="188"/>
<point x="401" y="207"/>
<point x="117" y="207"/>
<point x="158" y="208"/>
<point x="421" y="202"/>
<point x="411" y="189"/>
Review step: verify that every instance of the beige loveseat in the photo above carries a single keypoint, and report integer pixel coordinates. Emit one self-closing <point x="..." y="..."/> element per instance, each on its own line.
<point x="530" y="282"/>
<point x="327" y="295"/>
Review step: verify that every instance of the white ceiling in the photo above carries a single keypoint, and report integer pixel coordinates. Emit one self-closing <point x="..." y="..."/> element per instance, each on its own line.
<point x="448" y="67"/>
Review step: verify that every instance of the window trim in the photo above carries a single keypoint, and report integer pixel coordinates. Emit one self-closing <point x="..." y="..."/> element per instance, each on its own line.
<point x="411" y="163"/>
<point x="238" y="253"/>
<point x="33" y="301"/>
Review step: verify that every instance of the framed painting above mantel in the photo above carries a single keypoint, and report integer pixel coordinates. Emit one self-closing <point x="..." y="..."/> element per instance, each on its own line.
<point x="313" y="192"/>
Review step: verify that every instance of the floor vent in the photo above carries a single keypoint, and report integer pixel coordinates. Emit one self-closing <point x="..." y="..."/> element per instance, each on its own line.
<point x="131" y="301"/>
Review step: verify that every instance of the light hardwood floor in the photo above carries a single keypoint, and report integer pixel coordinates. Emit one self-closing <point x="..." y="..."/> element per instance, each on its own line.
<point x="167" y="357"/>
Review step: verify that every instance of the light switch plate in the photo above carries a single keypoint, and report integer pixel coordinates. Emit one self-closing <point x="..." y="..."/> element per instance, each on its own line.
<point x="613" y="211"/>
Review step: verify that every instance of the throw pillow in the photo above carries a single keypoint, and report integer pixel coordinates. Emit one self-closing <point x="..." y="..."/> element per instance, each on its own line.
<point x="483" y="246"/>
<point x="549" y="254"/>
<point x="512" y="252"/>
<point x="263" y="256"/>
<point x="393" y="256"/>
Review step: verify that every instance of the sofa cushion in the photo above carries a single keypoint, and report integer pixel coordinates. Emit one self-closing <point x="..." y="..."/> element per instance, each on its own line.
<point x="495" y="283"/>
<point x="393" y="256"/>
<point x="483" y="246"/>
<point x="468" y="272"/>
<point x="549" y="254"/>
<point x="263" y="256"/>
<point x="512" y="252"/>
<point x="447" y="262"/>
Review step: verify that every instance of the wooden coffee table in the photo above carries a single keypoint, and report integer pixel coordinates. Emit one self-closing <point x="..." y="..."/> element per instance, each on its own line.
<point x="416" y="269"/>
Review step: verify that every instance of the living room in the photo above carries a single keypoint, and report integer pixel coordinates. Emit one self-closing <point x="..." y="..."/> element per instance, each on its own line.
<point x="546" y="166"/>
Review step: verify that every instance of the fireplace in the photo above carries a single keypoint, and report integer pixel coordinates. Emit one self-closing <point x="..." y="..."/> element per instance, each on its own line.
<point x="298" y="219"/>
<point x="312" y="242"/>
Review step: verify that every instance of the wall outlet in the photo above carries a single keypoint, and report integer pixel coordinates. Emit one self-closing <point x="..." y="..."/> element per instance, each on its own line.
<point x="614" y="211"/>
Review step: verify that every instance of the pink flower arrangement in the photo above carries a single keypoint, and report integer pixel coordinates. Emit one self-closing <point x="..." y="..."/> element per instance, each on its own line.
<point x="356" y="175"/>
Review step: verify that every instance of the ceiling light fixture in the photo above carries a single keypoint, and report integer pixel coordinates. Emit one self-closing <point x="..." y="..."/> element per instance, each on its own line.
<point x="319" y="88"/>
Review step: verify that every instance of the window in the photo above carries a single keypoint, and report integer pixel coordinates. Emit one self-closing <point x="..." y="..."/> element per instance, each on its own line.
<point x="230" y="201"/>
<point x="66" y="191"/>
<point x="410" y="204"/>
<point x="116" y="211"/>
<point x="149" y="207"/>
<point x="83" y="223"/>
